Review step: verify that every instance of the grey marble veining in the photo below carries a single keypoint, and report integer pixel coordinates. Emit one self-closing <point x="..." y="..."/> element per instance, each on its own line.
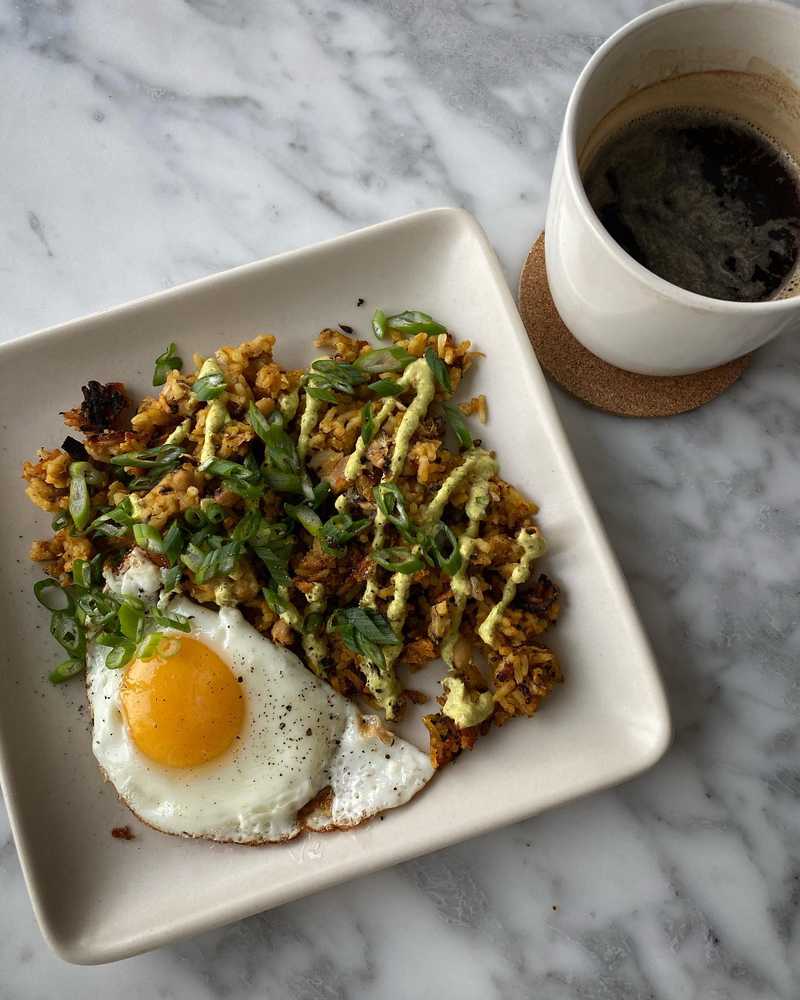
<point x="144" y="145"/>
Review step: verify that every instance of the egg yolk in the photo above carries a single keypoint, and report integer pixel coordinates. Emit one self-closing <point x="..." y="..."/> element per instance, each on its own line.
<point x="182" y="709"/>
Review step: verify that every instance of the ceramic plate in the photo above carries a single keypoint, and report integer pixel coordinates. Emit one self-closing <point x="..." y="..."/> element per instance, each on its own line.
<point x="98" y="898"/>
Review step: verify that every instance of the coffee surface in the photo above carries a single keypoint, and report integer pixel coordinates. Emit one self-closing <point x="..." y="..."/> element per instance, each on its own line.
<point x="703" y="200"/>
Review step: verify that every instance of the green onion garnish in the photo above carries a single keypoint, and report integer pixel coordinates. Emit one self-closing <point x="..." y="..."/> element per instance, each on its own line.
<point x="439" y="369"/>
<point x="304" y="515"/>
<point x="131" y="620"/>
<point x="67" y="632"/>
<point x="386" y="387"/>
<point x="209" y="386"/>
<point x="148" y="647"/>
<point x="273" y="545"/>
<point x="456" y="421"/>
<point x="364" y="631"/>
<point x="148" y="537"/>
<point x="275" y="601"/>
<point x="164" y="454"/>
<point x="172" y="578"/>
<point x="398" y="559"/>
<point x="165" y="363"/>
<point x="81" y="474"/>
<point x="338" y="530"/>
<point x="172" y="543"/>
<point x="445" y="549"/>
<point x="258" y="421"/>
<point x="194" y="517"/>
<point x="213" y="511"/>
<point x="65" y="670"/>
<point x="379" y="323"/>
<point x="81" y="574"/>
<point x="179" y="622"/>
<point x="391" y="503"/>
<point x="61" y="520"/>
<point x="247" y="527"/>
<point x="412" y="321"/>
<point x="323" y="395"/>
<point x="52" y="595"/>
<point x="367" y="424"/>
<point x="119" y="655"/>
<point x="384" y="359"/>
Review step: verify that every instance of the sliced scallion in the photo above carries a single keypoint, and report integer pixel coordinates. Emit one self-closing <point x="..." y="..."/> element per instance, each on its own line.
<point x="456" y="421"/>
<point x="68" y="633"/>
<point x="385" y="387"/>
<point x="120" y="655"/>
<point x="66" y="669"/>
<point x="398" y="559"/>
<point x="209" y="386"/>
<point x="51" y="594"/>
<point x="411" y="321"/>
<point x="384" y="359"/>
<point x="81" y="574"/>
<point x="439" y="369"/>
<point x="367" y="424"/>
<point x="379" y="323"/>
<point x="304" y="515"/>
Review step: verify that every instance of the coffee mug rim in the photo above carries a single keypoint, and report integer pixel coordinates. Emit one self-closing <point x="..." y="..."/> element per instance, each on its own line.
<point x="637" y="270"/>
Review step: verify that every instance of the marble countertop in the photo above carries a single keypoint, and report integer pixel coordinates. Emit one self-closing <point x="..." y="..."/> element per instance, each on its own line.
<point x="145" y="145"/>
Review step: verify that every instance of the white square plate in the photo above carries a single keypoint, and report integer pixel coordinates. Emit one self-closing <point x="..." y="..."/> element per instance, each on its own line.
<point x="99" y="899"/>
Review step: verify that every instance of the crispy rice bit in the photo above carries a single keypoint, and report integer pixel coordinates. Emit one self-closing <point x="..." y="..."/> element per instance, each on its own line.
<point x="48" y="479"/>
<point x="523" y="677"/>
<point x="447" y="740"/>
<point x="476" y="405"/>
<point x="102" y="408"/>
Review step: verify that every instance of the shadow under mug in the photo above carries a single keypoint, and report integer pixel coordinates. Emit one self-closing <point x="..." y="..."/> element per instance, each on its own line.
<point x="615" y="307"/>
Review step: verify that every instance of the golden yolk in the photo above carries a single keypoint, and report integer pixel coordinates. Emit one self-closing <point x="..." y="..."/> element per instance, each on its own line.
<point x="185" y="709"/>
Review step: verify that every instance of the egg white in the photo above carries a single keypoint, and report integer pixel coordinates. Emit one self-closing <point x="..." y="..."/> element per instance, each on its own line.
<point x="298" y="737"/>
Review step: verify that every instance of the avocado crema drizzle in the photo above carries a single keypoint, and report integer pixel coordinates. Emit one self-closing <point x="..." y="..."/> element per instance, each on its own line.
<point x="477" y="468"/>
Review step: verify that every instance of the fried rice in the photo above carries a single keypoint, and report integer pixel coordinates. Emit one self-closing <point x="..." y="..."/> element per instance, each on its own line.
<point x="345" y="509"/>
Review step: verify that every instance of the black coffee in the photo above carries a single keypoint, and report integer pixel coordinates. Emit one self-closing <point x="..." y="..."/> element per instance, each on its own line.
<point x="703" y="200"/>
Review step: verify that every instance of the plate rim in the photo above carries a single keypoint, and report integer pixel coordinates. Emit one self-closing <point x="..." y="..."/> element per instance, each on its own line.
<point x="78" y="951"/>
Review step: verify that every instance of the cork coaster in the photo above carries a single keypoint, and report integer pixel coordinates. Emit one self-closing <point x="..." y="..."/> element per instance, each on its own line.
<point x="596" y="382"/>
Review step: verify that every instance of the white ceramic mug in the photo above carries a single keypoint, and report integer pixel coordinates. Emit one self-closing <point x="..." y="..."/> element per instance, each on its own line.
<point x="620" y="311"/>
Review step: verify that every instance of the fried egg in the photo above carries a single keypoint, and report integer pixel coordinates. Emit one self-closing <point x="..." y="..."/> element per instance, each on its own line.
<point x="222" y="734"/>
